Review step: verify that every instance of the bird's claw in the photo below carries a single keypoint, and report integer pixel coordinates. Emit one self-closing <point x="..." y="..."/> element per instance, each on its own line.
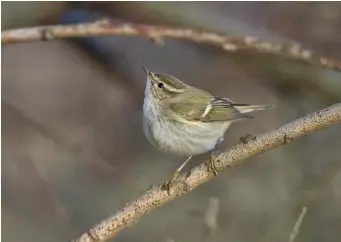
<point x="247" y="138"/>
<point x="211" y="166"/>
<point x="169" y="184"/>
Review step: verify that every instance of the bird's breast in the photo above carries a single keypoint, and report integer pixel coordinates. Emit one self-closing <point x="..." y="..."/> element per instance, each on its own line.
<point x="183" y="139"/>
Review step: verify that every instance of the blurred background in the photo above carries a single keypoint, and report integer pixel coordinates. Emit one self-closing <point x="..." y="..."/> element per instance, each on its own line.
<point x="73" y="150"/>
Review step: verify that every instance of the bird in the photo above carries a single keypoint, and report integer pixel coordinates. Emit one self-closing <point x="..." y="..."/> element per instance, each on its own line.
<point x="183" y="120"/>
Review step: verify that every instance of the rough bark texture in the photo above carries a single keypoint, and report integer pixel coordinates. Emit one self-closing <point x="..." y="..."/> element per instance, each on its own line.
<point x="157" y="33"/>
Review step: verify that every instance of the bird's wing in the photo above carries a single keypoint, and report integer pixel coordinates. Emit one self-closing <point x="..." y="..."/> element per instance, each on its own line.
<point x="222" y="109"/>
<point x="206" y="109"/>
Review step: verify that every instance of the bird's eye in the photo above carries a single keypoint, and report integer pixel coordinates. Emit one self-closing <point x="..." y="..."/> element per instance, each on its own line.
<point x="160" y="85"/>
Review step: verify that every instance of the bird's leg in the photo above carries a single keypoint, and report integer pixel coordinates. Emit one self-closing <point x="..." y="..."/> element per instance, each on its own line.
<point x="210" y="164"/>
<point x="168" y="185"/>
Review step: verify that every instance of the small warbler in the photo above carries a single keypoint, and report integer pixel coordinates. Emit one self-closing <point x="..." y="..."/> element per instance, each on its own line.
<point x="186" y="121"/>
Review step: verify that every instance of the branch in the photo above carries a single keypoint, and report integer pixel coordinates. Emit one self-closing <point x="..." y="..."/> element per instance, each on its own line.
<point x="157" y="33"/>
<point x="296" y="228"/>
<point x="157" y="196"/>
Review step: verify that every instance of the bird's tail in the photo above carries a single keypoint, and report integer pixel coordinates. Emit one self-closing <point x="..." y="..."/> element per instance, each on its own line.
<point x="247" y="108"/>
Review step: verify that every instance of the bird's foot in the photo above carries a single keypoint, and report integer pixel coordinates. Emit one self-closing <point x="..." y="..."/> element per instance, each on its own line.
<point x="247" y="138"/>
<point x="210" y="164"/>
<point x="169" y="184"/>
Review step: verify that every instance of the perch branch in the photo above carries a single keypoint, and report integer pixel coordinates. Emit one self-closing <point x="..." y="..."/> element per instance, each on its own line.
<point x="157" y="196"/>
<point x="157" y="33"/>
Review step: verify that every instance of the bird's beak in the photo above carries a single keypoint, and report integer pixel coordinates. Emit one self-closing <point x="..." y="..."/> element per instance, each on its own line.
<point x="148" y="73"/>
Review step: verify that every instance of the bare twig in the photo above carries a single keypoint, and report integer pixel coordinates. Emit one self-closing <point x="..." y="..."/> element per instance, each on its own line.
<point x="211" y="215"/>
<point x="296" y="228"/>
<point x="211" y="219"/>
<point x="156" y="196"/>
<point x="157" y="33"/>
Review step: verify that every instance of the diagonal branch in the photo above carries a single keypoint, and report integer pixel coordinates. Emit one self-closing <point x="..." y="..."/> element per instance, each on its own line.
<point x="296" y="228"/>
<point x="105" y="28"/>
<point x="156" y="196"/>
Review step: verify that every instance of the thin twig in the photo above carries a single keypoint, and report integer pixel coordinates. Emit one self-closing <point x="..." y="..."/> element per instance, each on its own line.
<point x="211" y="215"/>
<point x="296" y="228"/>
<point x="157" y="196"/>
<point x="211" y="219"/>
<point x="157" y="33"/>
